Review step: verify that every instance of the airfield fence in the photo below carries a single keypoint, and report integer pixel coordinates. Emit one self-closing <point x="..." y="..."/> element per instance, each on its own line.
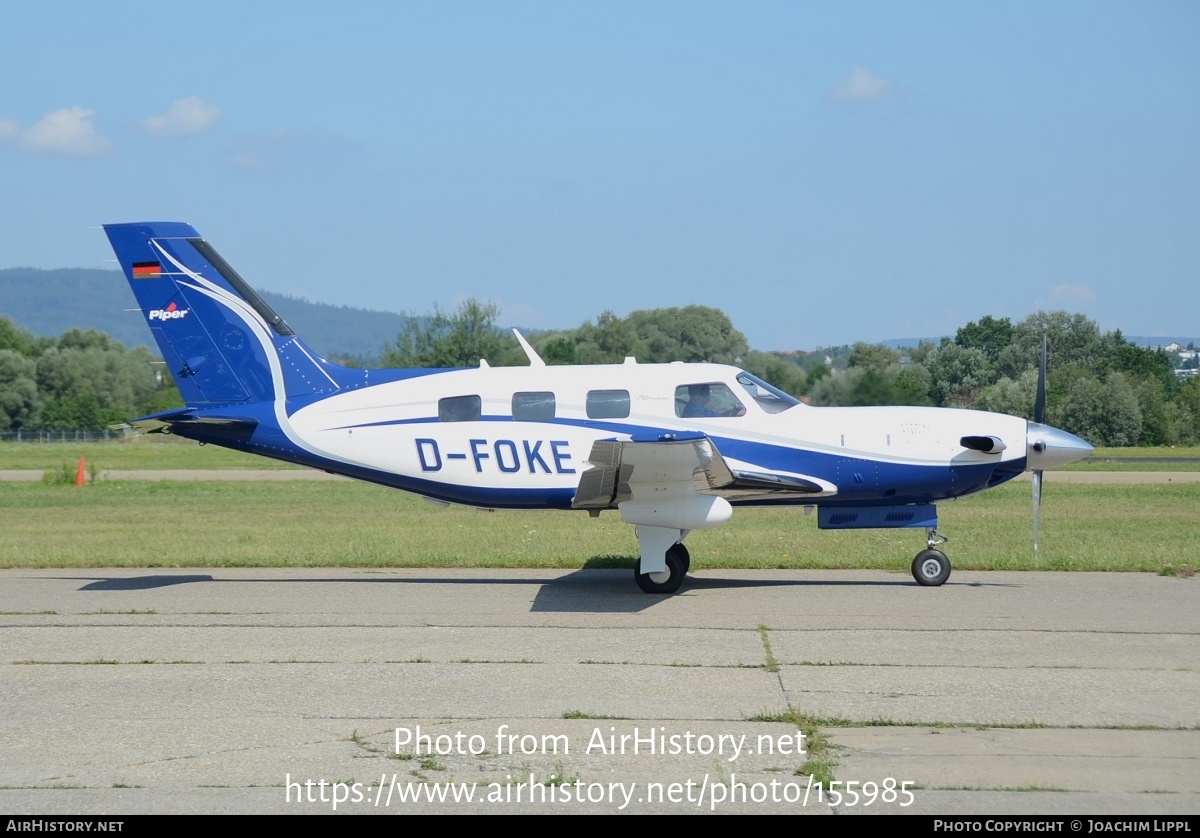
<point x="79" y="435"/>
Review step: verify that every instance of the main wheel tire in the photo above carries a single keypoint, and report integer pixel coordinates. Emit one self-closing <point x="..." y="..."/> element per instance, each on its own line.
<point x="661" y="583"/>
<point x="681" y="553"/>
<point x="931" y="568"/>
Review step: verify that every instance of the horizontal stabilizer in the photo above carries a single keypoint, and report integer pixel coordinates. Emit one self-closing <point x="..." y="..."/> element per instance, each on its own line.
<point x="171" y="421"/>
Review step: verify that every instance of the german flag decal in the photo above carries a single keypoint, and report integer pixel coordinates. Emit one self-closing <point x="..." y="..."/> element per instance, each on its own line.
<point x="146" y="270"/>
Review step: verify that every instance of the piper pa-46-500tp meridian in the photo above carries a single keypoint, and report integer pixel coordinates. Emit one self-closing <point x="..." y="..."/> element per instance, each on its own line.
<point x="671" y="447"/>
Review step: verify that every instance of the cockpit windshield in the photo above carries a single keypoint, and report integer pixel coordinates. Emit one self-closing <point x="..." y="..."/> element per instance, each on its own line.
<point x="771" y="399"/>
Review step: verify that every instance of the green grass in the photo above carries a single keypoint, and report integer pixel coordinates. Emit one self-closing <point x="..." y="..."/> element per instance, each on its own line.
<point x="146" y="451"/>
<point x="222" y="524"/>
<point x="579" y="714"/>
<point x="1191" y="452"/>
<point x="769" y="662"/>
<point x="430" y="763"/>
<point x="820" y="758"/>
<point x="1114" y="459"/>
<point x="1119" y="465"/>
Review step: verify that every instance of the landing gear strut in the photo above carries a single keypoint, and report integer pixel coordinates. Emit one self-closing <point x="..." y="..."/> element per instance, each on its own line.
<point x="668" y="581"/>
<point x="931" y="567"/>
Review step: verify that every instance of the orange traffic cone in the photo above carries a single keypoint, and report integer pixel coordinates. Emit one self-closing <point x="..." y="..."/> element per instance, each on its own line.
<point x="79" y="473"/>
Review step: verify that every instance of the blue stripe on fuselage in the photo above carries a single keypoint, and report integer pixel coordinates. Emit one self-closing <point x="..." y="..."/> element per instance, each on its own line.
<point x="860" y="480"/>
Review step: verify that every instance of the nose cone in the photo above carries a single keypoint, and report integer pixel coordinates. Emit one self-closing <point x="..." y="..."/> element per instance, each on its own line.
<point x="1049" y="447"/>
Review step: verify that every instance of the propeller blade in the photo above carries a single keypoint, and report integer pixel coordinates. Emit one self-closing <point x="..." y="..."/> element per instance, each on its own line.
<point x="1037" y="509"/>
<point x="1039" y="416"/>
<point x="1039" y="404"/>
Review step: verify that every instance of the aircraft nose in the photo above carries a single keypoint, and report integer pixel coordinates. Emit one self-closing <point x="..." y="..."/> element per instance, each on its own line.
<point x="1049" y="447"/>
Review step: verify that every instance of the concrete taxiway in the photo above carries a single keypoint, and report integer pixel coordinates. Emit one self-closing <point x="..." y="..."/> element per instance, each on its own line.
<point x="213" y="690"/>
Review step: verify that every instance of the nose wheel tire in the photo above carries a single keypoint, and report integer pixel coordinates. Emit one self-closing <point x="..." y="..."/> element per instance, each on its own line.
<point x="666" y="582"/>
<point x="931" y="568"/>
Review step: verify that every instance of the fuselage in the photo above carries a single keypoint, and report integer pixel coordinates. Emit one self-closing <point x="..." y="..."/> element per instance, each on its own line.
<point x="520" y="437"/>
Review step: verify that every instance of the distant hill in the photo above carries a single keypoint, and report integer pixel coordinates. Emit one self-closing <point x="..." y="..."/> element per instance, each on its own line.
<point x="1136" y="340"/>
<point x="909" y="343"/>
<point x="49" y="303"/>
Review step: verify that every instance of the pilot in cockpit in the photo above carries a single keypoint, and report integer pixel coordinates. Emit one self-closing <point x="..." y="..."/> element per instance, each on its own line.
<point x="698" y="399"/>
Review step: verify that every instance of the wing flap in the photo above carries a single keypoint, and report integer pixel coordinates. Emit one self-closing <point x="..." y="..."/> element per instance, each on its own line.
<point x="680" y="464"/>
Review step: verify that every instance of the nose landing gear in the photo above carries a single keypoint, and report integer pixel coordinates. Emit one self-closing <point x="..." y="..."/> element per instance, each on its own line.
<point x="931" y="567"/>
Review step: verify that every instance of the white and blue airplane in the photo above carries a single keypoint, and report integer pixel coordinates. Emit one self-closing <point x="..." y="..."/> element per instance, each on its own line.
<point x="670" y="447"/>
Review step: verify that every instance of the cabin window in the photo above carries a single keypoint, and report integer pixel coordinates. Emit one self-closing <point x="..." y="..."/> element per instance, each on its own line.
<point x="608" y="404"/>
<point x="460" y="409"/>
<point x="703" y="399"/>
<point x="533" y="407"/>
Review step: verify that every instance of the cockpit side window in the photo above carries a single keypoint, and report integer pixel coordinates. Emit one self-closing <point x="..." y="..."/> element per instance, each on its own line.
<point x="704" y="399"/>
<point x="771" y="399"/>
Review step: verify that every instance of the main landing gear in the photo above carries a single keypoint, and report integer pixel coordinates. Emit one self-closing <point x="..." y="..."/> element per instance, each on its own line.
<point x="679" y="561"/>
<point x="931" y="567"/>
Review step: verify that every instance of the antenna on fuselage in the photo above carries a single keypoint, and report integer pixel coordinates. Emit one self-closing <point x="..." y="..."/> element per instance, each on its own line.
<point x="535" y="360"/>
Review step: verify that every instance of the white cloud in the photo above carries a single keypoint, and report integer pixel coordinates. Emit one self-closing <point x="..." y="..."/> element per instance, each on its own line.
<point x="269" y="152"/>
<point x="1072" y="293"/>
<point x="66" y="131"/>
<point x="860" y="85"/>
<point x="184" y="118"/>
<point x="262" y="153"/>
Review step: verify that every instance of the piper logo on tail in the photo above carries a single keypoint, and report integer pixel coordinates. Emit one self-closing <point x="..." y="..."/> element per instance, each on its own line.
<point x="171" y="312"/>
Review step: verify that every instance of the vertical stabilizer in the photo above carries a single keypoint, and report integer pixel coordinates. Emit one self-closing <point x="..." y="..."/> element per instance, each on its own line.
<point x="221" y="341"/>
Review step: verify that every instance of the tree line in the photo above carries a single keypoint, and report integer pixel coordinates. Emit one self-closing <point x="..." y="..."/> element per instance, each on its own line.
<point x="691" y="333"/>
<point x="84" y="380"/>
<point x="1099" y="385"/>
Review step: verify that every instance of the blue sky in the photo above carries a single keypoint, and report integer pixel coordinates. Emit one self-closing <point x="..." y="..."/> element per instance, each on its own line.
<point x="822" y="172"/>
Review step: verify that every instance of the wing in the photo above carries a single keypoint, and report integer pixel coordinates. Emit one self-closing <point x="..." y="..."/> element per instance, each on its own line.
<point x="680" y="465"/>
